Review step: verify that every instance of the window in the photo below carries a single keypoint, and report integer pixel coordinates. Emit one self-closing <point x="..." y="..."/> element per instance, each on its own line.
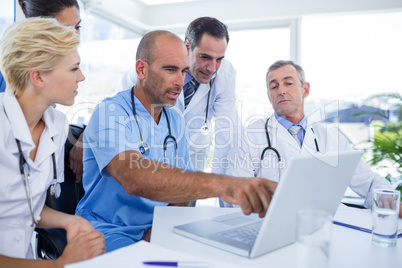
<point x="107" y="52"/>
<point x="251" y="53"/>
<point x="6" y="15"/>
<point x="350" y="57"/>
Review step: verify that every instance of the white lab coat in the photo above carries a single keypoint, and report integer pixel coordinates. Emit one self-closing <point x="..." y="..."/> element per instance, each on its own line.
<point x="222" y="106"/>
<point x="15" y="234"/>
<point x="244" y="161"/>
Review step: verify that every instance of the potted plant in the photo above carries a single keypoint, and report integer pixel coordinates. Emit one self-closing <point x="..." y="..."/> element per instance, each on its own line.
<point x="386" y="146"/>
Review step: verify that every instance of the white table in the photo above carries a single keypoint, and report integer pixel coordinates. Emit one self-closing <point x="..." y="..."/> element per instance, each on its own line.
<point x="349" y="248"/>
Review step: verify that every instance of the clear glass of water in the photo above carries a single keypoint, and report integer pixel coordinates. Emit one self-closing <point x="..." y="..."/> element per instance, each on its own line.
<point x="313" y="238"/>
<point x="385" y="217"/>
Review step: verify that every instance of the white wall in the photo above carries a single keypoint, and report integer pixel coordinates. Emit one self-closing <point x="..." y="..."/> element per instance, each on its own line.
<point x="6" y="6"/>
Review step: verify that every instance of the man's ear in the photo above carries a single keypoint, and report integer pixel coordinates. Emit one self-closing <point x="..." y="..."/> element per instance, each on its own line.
<point x="306" y="89"/>
<point x="141" y="68"/>
<point x="37" y="78"/>
<point x="188" y="46"/>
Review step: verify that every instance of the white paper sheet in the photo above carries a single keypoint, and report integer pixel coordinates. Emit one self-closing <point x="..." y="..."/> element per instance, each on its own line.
<point x="359" y="218"/>
<point x="134" y="255"/>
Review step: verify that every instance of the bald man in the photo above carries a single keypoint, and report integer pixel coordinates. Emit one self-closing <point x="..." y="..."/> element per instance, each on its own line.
<point x="137" y="156"/>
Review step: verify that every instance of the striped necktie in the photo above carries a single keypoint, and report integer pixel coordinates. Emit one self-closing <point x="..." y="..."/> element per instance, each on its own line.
<point x="293" y="130"/>
<point x="189" y="91"/>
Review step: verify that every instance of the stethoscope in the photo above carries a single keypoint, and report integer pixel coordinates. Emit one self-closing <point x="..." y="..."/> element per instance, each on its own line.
<point x="55" y="188"/>
<point x="144" y="147"/>
<point x="205" y="128"/>
<point x="276" y="152"/>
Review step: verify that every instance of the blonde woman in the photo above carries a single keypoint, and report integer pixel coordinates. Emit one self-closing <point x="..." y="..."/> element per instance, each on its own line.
<point x="40" y="63"/>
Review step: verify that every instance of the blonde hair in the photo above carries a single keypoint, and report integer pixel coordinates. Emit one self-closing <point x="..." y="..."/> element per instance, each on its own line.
<point x="34" y="43"/>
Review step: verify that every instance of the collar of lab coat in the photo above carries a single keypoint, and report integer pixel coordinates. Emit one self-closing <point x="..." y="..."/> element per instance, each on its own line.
<point x="283" y="135"/>
<point x="20" y="130"/>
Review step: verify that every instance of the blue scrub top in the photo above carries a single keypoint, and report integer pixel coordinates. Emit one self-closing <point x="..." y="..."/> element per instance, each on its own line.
<point x="2" y="83"/>
<point x="111" y="130"/>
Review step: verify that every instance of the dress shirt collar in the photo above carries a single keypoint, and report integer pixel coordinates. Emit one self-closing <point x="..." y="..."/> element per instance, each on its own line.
<point x="18" y="122"/>
<point x="188" y="78"/>
<point x="287" y="124"/>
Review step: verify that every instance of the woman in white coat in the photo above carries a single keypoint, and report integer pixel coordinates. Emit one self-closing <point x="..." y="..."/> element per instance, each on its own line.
<point x="40" y="63"/>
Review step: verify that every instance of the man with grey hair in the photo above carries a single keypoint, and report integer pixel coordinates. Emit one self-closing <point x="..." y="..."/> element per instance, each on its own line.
<point x="290" y="133"/>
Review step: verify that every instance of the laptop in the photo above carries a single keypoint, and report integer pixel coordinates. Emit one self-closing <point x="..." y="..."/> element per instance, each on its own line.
<point x="309" y="182"/>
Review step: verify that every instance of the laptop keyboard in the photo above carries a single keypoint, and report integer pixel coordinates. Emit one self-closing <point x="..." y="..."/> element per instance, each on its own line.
<point x="245" y="234"/>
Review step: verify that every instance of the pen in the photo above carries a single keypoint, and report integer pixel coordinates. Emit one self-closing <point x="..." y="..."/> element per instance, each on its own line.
<point x="176" y="263"/>
<point x="352" y="226"/>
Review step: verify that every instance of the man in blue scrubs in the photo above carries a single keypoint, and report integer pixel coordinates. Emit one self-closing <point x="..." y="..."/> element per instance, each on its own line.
<point x="128" y="170"/>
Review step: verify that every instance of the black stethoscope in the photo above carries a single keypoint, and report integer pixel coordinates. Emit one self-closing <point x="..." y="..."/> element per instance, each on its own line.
<point x="55" y="188"/>
<point x="278" y="156"/>
<point x="144" y="147"/>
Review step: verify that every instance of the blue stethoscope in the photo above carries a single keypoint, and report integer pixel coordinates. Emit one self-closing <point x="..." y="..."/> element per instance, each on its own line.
<point x="144" y="147"/>
<point x="276" y="152"/>
<point x="55" y="188"/>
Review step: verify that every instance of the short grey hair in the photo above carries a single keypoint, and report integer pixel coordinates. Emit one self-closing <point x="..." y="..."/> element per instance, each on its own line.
<point x="278" y="64"/>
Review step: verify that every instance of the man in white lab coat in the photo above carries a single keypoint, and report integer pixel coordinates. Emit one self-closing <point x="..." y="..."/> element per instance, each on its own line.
<point x="213" y="94"/>
<point x="287" y="89"/>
